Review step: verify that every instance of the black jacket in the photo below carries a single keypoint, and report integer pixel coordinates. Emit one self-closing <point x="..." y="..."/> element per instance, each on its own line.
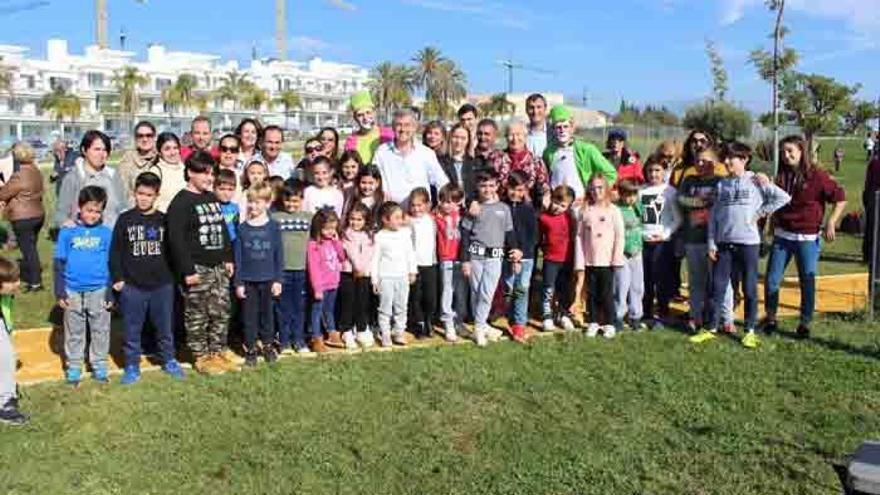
<point x="469" y="169"/>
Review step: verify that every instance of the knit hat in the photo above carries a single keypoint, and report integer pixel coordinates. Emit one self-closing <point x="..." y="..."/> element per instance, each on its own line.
<point x="560" y="113"/>
<point x="362" y="100"/>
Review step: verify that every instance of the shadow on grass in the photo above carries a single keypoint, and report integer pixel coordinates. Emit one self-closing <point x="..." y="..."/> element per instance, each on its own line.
<point x="869" y="352"/>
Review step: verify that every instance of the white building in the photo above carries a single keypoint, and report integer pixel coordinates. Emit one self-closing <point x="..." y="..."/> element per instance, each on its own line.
<point x="324" y="88"/>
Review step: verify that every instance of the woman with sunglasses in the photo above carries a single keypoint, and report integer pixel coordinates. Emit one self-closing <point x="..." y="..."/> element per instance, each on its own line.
<point x="312" y="150"/>
<point x="139" y="159"/>
<point x="229" y="149"/>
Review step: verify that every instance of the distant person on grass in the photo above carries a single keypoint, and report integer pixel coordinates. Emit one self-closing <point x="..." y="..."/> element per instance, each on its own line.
<point x="9" y="283"/>
<point x="798" y="227"/>
<point x="141" y="275"/>
<point x="838" y="158"/>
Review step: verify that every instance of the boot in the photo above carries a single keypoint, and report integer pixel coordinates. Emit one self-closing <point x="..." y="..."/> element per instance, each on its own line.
<point x="334" y="339"/>
<point x="317" y="345"/>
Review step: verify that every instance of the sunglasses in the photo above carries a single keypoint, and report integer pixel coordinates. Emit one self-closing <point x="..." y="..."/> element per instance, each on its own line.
<point x="148" y="135"/>
<point x="314" y="149"/>
<point x="229" y="149"/>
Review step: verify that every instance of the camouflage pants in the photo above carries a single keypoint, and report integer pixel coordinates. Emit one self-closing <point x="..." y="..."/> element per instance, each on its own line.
<point x="206" y="310"/>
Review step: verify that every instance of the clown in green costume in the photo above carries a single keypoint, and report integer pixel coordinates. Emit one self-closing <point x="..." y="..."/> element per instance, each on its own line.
<point x="571" y="161"/>
<point x="368" y="136"/>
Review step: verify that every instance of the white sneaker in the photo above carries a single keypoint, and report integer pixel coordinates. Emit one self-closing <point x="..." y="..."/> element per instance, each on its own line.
<point x="386" y="339"/>
<point x="449" y="333"/>
<point x="592" y="330"/>
<point x="350" y="343"/>
<point x="366" y="339"/>
<point x="398" y="338"/>
<point x="493" y="334"/>
<point x="608" y="331"/>
<point x="548" y="325"/>
<point x="480" y="337"/>
<point x="566" y="323"/>
<point x="303" y="350"/>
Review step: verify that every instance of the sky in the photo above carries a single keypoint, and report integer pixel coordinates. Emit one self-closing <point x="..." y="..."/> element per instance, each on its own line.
<point x="645" y="51"/>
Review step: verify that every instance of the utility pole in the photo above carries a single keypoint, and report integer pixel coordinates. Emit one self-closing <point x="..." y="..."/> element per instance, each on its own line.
<point x="777" y="40"/>
<point x="281" y="28"/>
<point x="101" y="23"/>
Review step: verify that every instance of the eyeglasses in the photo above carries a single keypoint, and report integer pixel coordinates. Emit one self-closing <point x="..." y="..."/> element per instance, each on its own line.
<point x="314" y="149"/>
<point x="148" y="135"/>
<point x="229" y="149"/>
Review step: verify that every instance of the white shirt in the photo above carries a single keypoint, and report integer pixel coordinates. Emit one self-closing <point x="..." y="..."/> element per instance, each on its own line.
<point x="424" y="231"/>
<point x="315" y="198"/>
<point x="403" y="173"/>
<point x="283" y="165"/>
<point x="393" y="255"/>
<point x="536" y="140"/>
<point x="564" y="171"/>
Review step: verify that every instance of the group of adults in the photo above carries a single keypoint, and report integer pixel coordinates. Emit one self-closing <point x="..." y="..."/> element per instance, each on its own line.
<point x="544" y="148"/>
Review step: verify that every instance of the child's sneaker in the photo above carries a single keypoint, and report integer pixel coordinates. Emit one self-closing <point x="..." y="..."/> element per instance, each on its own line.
<point x="449" y="333"/>
<point x="729" y="328"/>
<point x="365" y="338"/>
<point x="303" y="349"/>
<point x="692" y="326"/>
<point x="99" y="373"/>
<point x="548" y="325"/>
<point x="518" y="333"/>
<point x="480" y="337"/>
<point x="10" y="415"/>
<point x="287" y="350"/>
<point x="608" y="331"/>
<point x="348" y="339"/>
<point x="566" y="323"/>
<point x="73" y="376"/>
<point x="494" y="334"/>
<point x="172" y="368"/>
<point x="386" y="339"/>
<point x="703" y="336"/>
<point x="750" y="340"/>
<point x="317" y="345"/>
<point x="802" y="332"/>
<point x="398" y="338"/>
<point x="131" y="374"/>
<point x="638" y="326"/>
<point x="592" y="330"/>
<point x="269" y="354"/>
<point x="250" y="358"/>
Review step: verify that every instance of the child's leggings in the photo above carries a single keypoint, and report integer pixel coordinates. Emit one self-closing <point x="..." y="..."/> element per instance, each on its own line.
<point x="393" y="295"/>
<point x="601" y="287"/>
<point x="485" y="274"/>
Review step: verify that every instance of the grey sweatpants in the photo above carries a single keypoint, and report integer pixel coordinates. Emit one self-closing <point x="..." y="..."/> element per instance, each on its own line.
<point x="7" y="367"/>
<point x="485" y="274"/>
<point x="629" y="288"/>
<point x="86" y="313"/>
<point x="393" y="297"/>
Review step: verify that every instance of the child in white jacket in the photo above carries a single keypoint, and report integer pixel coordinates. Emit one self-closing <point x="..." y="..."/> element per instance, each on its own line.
<point x="393" y="269"/>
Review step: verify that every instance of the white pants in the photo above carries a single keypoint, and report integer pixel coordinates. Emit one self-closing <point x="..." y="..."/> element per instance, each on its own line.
<point x="393" y="296"/>
<point x="629" y="288"/>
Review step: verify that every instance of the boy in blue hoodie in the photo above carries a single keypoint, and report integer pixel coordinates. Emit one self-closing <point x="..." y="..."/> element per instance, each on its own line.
<point x="82" y="277"/>
<point x="741" y="200"/>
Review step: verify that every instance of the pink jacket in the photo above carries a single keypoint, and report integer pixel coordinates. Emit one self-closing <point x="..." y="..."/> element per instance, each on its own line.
<point x="324" y="262"/>
<point x="599" y="238"/>
<point x="358" y="247"/>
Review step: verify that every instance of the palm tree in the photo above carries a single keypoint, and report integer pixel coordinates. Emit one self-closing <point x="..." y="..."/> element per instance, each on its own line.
<point x="288" y="99"/>
<point x="128" y="84"/>
<point x="427" y="63"/>
<point x="182" y="94"/>
<point x="392" y="86"/>
<point x="450" y="85"/>
<point x="61" y="104"/>
<point x="255" y="98"/>
<point x="234" y="85"/>
<point x="5" y="78"/>
<point x="497" y="106"/>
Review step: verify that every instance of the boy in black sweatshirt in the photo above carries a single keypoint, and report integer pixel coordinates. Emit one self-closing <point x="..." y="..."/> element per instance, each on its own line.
<point x="141" y="275"/>
<point x="518" y="274"/>
<point x="202" y="257"/>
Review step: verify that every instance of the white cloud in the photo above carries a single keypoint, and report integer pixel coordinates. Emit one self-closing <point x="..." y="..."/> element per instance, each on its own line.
<point x="862" y="16"/>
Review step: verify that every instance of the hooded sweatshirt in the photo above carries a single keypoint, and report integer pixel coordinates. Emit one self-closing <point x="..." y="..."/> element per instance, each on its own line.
<point x="739" y="202"/>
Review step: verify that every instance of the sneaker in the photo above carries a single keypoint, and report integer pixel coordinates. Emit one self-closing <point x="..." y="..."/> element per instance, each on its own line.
<point x="10" y="415"/>
<point x="366" y="339"/>
<point x="769" y="326"/>
<point x="750" y="340"/>
<point x="566" y="323"/>
<point x="303" y="349"/>
<point x="592" y="330"/>
<point x="334" y="339"/>
<point x="226" y="361"/>
<point x="692" y="326"/>
<point x="803" y="331"/>
<point x="250" y="359"/>
<point x="419" y="331"/>
<point x="317" y="345"/>
<point x="450" y="334"/>
<point x="638" y="326"/>
<point x="200" y="364"/>
<point x="658" y="324"/>
<point x="350" y="342"/>
<point x="608" y="331"/>
<point x="494" y="334"/>
<point x="269" y="354"/>
<point x="288" y="351"/>
<point x="703" y="336"/>
<point x="480" y="337"/>
<point x="131" y="374"/>
<point x="385" y="339"/>
<point x="548" y="325"/>
<point x="217" y="364"/>
<point x="729" y="328"/>
<point x="99" y="373"/>
<point x="518" y="333"/>
<point x="398" y="338"/>
<point x="73" y="376"/>
<point x="173" y="369"/>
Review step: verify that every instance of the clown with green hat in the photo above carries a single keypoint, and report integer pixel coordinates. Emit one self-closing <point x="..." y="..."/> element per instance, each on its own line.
<point x="368" y="136"/>
<point x="571" y="161"/>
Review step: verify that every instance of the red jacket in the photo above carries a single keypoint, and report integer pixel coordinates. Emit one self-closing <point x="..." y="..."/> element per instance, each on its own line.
<point x="188" y="150"/>
<point x="629" y="167"/>
<point x="448" y="236"/>
<point x="557" y="236"/>
<point x="805" y="212"/>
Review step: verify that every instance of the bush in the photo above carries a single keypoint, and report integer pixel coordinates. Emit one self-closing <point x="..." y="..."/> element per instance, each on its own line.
<point x="723" y="120"/>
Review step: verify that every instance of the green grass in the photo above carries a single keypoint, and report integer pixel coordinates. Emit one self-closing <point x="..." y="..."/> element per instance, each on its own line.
<point x="645" y="413"/>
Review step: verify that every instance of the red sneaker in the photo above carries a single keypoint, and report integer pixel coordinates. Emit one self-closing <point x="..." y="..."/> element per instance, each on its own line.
<point x="518" y="334"/>
<point x="729" y="328"/>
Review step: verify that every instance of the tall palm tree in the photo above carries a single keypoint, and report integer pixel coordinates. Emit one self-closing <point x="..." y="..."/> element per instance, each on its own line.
<point x="427" y="63"/>
<point x="128" y="83"/>
<point x="450" y="85"/>
<point x="61" y="105"/>
<point x="289" y="99"/>
<point x="182" y="94"/>
<point x="255" y="98"/>
<point x="235" y="84"/>
<point x="5" y="78"/>
<point x="392" y="86"/>
<point x="497" y="105"/>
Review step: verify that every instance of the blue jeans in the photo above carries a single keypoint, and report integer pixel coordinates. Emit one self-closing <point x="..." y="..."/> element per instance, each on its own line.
<point x="137" y="306"/>
<point x="740" y="260"/>
<point x="806" y="257"/>
<point x="324" y="311"/>
<point x="517" y="291"/>
<point x="292" y="305"/>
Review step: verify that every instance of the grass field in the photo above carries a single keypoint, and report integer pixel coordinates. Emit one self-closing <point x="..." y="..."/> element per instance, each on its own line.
<point x="644" y="413"/>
